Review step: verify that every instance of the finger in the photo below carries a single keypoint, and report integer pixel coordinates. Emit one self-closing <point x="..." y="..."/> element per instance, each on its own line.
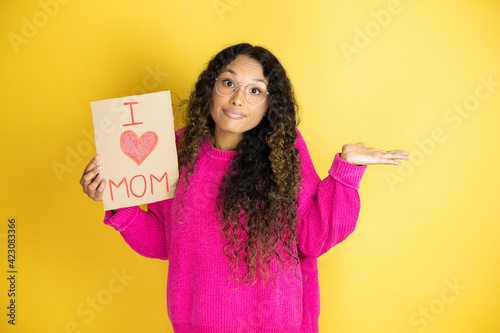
<point x="380" y="151"/>
<point x="399" y="156"/>
<point x="92" y="188"/>
<point x="90" y="177"/>
<point x="399" y="151"/>
<point x="92" y="163"/>
<point x="100" y="190"/>
<point x="90" y="167"/>
<point x="102" y="186"/>
<point x="389" y="161"/>
<point x="390" y="155"/>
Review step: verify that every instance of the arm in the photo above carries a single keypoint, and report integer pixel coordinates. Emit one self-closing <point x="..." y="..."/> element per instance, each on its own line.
<point x="147" y="233"/>
<point x="328" y="209"/>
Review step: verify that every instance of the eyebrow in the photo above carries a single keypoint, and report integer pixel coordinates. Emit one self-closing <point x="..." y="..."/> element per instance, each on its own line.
<point x="234" y="73"/>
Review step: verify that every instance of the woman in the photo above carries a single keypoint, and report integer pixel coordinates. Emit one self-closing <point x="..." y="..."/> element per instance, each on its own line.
<point x="250" y="215"/>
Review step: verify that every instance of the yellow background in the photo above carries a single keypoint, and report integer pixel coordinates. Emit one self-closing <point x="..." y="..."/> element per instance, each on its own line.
<point x="425" y="226"/>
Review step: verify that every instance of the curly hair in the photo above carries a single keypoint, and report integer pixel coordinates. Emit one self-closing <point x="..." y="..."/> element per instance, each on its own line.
<point x="258" y="195"/>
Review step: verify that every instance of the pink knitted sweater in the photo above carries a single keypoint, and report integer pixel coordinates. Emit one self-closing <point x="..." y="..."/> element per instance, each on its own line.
<point x="201" y="296"/>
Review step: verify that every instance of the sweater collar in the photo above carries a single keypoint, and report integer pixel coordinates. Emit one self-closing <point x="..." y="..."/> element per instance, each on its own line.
<point x="211" y="150"/>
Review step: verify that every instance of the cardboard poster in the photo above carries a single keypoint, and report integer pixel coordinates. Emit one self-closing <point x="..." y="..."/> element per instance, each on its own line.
<point x="138" y="156"/>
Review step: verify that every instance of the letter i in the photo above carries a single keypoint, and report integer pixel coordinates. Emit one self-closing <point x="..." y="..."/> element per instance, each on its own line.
<point x="131" y="114"/>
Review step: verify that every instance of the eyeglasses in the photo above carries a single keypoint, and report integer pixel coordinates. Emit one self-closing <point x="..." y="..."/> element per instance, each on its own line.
<point x="255" y="94"/>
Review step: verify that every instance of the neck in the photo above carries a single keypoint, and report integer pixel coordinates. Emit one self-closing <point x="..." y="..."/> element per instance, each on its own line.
<point x="225" y="141"/>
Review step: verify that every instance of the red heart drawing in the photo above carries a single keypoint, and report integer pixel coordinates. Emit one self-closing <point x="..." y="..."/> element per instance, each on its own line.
<point x="138" y="149"/>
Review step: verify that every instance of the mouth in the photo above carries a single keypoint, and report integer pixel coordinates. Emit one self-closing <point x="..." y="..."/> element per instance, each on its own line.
<point x="233" y="114"/>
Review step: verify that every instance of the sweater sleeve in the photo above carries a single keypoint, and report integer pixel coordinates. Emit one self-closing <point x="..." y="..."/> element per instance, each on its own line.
<point x="329" y="208"/>
<point x="145" y="232"/>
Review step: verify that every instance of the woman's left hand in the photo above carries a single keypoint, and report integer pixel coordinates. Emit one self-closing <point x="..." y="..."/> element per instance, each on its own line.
<point x="358" y="154"/>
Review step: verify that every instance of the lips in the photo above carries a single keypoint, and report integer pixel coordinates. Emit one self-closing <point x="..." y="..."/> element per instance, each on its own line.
<point x="233" y="114"/>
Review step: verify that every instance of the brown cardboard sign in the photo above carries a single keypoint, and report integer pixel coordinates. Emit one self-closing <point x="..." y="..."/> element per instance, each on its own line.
<point x="139" y="156"/>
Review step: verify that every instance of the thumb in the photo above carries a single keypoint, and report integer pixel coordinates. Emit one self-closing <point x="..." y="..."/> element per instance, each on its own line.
<point x="360" y="144"/>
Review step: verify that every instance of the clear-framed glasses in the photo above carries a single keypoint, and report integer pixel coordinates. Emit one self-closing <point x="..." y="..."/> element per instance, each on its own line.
<point x="255" y="93"/>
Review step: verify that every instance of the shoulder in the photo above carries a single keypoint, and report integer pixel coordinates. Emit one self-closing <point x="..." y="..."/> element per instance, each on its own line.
<point x="304" y="156"/>
<point x="300" y="143"/>
<point x="179" y="133"/>
<point x="308" y="174"/>
<point x="178" y="136"/>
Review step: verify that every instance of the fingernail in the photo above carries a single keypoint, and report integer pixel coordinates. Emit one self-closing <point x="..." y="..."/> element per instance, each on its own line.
<point x="99" y="167"/>
<point x="99" y="177"/>
<point x="97" y="157"/>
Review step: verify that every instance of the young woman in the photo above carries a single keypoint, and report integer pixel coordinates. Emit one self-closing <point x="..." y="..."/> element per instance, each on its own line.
<point x="250" y="215"/>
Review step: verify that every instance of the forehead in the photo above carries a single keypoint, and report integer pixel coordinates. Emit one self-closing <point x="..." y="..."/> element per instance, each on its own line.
<point x="245" y="68"/>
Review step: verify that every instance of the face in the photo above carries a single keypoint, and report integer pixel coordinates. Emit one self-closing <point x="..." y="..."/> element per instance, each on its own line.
<point x="233" y="115"/>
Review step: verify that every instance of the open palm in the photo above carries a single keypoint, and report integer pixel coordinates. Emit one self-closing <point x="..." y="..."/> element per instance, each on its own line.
<point x="358" y="154"/>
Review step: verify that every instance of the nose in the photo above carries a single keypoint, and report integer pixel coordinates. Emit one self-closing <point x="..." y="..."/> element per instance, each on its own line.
<point x="238" y="96"/>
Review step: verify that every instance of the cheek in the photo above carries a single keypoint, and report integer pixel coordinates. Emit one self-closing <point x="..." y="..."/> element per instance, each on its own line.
<point x="257" y="116"/>
<point x="262" y="111"/>
<point x="213" y="103"/>
<point x="215" y="100"/>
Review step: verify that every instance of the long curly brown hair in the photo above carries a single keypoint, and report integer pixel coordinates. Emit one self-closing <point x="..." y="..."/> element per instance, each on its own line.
<point x="258" y="196"/>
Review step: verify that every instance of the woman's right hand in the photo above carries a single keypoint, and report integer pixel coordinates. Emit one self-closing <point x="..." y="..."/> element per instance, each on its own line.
<point x="92" y="182"/>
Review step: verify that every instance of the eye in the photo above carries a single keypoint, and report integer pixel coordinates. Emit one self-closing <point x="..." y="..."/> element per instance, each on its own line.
<point x="228" y="83"/>
<point x="255" y="91"/>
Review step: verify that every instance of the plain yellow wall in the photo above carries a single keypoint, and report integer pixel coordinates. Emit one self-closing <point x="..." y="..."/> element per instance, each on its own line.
<point x="417" y="75"/>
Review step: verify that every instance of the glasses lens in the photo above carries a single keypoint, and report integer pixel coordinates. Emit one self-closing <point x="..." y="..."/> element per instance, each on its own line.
<point x="225" y="85"/>
<point x="255" y="94"/>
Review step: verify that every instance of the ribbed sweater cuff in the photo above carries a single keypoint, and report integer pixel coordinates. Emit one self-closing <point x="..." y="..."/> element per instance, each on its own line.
<point x="186" y="328"/>
<point x="346" y="173"/>
<point x="122" y="218"/>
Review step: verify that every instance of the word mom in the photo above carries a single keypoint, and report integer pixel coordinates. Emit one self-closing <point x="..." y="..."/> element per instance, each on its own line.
<point x="141" y="185"/>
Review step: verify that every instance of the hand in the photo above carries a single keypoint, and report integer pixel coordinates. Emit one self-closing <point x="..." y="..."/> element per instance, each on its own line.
<point x="92" y="182"/>
<point x="358" y="154"/>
